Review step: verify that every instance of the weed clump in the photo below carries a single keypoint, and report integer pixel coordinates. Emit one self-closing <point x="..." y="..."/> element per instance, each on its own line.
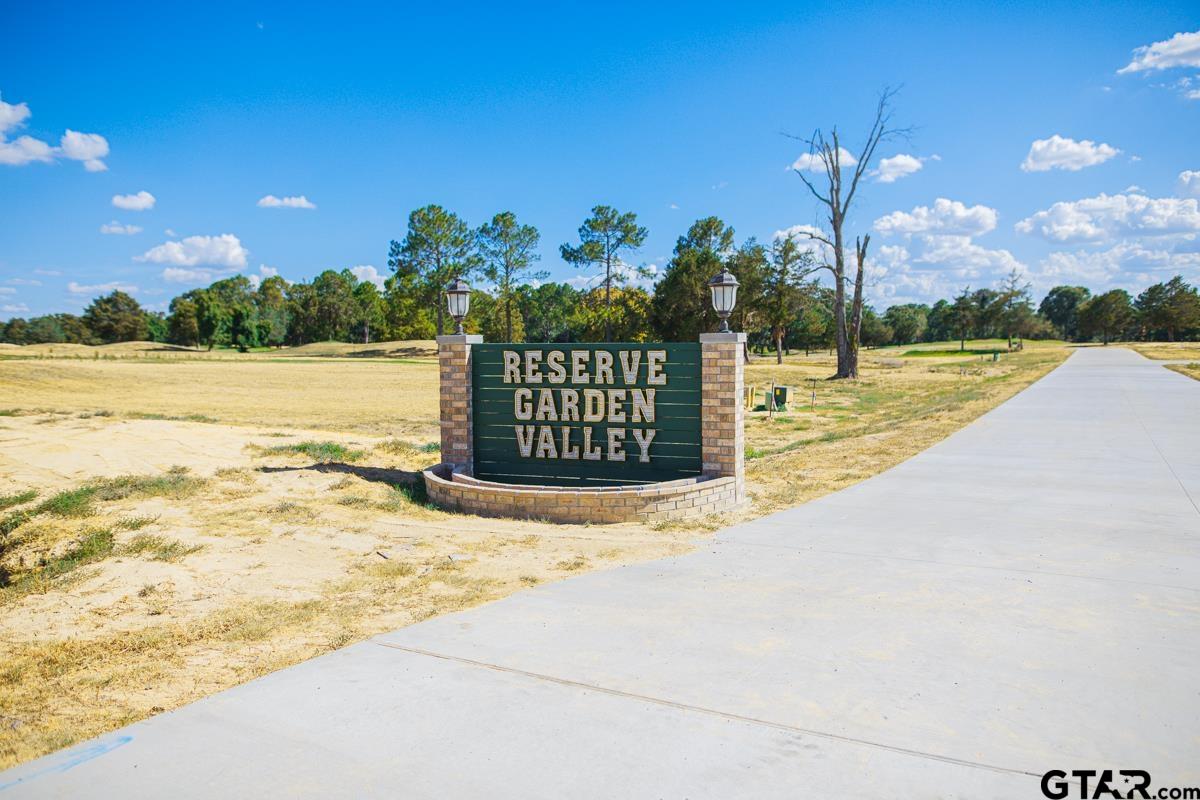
<point x="69" y="503"/>
<point x="159" y="548"/>
<point x="389" y="569"/>
<point x="402" y="448"/>
<point x="175" y="483"/>
<point x="94" y="545"/>
<point x="321" y="452"/>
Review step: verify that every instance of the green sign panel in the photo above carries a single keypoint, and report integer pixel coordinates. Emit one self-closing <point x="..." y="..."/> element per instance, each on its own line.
<point x="586" y="414"/>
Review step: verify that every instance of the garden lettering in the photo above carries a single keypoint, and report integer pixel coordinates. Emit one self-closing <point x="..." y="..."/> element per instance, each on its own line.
<point x="584" y="386"/>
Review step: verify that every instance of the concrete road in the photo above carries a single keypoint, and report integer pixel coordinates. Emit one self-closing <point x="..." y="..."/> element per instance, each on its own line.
<point x="1023" y="596"/>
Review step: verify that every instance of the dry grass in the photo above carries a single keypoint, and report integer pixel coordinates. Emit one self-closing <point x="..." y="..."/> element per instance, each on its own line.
<point x="1191" y="370"/>
<point x="126" y="595"/>
<point x="422" y="348"/>
<point x="389" y="397"/>
<point x="1167" y="351"/>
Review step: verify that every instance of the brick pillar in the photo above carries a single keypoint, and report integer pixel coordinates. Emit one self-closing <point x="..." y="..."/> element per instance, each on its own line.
<point x="454" y="363"/>
<point x="723" y="415"/>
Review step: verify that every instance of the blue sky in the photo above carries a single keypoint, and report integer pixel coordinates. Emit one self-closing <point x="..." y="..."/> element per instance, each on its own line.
<point x="674" y="112"/>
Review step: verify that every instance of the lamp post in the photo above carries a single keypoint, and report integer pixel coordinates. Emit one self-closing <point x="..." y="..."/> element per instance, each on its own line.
<point x="724" y="288"/>
<point x="458" y="300"/>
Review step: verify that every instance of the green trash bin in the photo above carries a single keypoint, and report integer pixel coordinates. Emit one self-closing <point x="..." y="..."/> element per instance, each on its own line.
<point x="783" y="397"/>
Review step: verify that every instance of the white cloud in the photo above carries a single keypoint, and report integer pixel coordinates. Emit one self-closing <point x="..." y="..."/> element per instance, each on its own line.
<point x="672" y="206"/>
<point x="938" y="267"/>
<point x="1129" y="263"/>
<point x="23" y="282"/>
<point x="821" y="251"/>
<point x="623" y="273"/>
<point x="1110" y="216"/>
<point x="115" y="227"/>
<point x="86" y="147"/>
<point x="142" y="201"/>
<point x="179" y="275"/>
<point x="966" y="258"/>
<point x="949" y="217"/>
<point x="263" y="273"/>
<point x="1188" y="183"/>
<point x="217" y="251"/>
<point x="53" y="273"/>
<point x="1059" y="152"/>
<point x="271" y="201"/>
<point x="12" y="115"/>
<point x="23" y="150"/>
<point x="811" y="162"/>
<point x="7" y="290"/>
<point x="101" y="288"/>
<point x="1181" y="50"/>
<point x="170" y="232"/>
<point x="367" y="272"/>
<point x="798" y="232"/>
<point x="899" y="166"/>
<point x="14" y="308"/>
<point x="893" y="255"/>
<point x="939" y="255"/>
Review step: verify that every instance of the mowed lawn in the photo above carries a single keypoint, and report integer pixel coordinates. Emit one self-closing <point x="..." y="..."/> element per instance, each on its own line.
<point x="174" y="526"/>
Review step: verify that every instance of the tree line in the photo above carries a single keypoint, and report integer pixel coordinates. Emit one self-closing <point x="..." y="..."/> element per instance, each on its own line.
<point x="781" y="306"/>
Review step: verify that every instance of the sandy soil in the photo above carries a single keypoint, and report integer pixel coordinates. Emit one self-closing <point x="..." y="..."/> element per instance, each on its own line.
<point x="269" y="527"/>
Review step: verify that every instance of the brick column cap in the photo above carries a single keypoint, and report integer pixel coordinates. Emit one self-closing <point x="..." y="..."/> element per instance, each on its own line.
<point x="461" y="338"/>
<point x="718" y="338"/>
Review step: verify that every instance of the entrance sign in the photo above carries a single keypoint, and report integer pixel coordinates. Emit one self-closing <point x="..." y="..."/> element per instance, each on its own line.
<point x="586" y="414"/>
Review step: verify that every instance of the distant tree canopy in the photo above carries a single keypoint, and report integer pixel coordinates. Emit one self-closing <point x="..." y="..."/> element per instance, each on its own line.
<point x="603" y="237"/>
<point x="1107" y="316"/>
<point x="116" y="318"/>
<point x="1061" y="307"/>
<point x="779" y="306"/>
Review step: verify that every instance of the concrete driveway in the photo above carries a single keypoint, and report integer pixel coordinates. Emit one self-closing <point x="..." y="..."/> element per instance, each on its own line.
<point x="1021" y="597"/>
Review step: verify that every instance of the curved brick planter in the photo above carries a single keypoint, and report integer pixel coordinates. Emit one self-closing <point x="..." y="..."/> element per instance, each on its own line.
<point x="451" y="488"/>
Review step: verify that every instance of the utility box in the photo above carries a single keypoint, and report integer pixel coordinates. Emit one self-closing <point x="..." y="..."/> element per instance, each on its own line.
<point x="783" y="397"/>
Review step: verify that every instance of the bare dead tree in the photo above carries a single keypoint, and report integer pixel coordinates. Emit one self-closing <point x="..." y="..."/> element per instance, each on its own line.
<point x="837" y="198"/>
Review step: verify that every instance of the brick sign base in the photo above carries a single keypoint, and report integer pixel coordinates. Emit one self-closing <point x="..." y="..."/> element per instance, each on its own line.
<point x="719" y="486"/>
<point x="689" y="497"/>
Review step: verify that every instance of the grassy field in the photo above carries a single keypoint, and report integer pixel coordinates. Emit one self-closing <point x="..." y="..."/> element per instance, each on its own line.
<point x="1168" y="351"/>
<point x="173" y="526"/>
